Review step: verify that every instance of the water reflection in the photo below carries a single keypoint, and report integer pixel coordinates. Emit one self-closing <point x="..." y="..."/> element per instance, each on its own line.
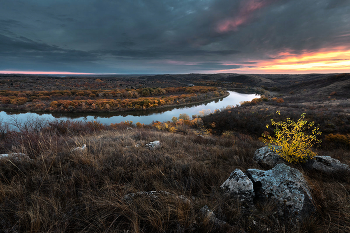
<point x="145" y="116"/>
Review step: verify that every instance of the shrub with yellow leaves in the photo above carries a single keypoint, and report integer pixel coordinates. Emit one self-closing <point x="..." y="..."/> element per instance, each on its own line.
<point x="294" y="144"/>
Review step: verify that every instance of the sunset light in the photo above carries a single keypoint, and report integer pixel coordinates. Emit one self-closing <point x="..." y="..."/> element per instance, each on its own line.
<point x="331" y="61"/>
<point x="175" y="116"/>
<point x="312" y="62"/>
<point x="42" y="72"/>
<point x="241" y="36"/>
<point x="244" y="15"/>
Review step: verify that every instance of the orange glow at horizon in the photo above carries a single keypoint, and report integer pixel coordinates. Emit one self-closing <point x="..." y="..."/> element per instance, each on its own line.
<point x="39" y="72"/>
<point x="335" y="61"/>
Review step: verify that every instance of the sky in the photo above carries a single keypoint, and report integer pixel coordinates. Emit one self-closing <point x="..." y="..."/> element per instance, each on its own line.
<point x="174" y="36"/>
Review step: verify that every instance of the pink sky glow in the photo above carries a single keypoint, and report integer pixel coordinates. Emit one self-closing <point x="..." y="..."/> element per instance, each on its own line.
<point x="335" y="60"/>
<point x="244" y="14"/>
<point x="40" y="72"/>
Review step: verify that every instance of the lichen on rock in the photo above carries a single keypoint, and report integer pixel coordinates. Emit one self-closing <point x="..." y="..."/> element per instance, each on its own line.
<point x="240" y="185"/>
<point x="287" y="187"/>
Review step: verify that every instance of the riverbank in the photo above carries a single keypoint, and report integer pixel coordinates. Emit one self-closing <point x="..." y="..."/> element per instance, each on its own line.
<point x="179" y="103"/>
<point x="106" y="100"/>
<point x="144" y="117"/>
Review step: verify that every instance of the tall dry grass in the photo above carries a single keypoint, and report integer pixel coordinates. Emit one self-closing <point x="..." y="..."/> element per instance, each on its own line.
<point x="60" y="190"/>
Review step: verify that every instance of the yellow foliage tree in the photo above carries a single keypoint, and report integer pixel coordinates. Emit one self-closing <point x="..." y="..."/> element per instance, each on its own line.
<point x="294" y="144"/>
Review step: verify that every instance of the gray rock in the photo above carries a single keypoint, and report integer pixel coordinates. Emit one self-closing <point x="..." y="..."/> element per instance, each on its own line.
<point x="80" y="149"/>
<point x="16" y="156"/>
<point x="286" y="187"/>
<point x="154" y="195"/>
<point x="267" y="158"/>
<point x="327" y="165"/>
<point x="238" y="184"/>
<point x="153" y="145"/>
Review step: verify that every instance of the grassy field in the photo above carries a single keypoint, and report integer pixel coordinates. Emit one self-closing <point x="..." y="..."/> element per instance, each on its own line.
<point x="58" y="189"/>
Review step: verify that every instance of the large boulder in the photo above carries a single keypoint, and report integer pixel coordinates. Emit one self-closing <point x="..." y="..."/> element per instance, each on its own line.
<point x="327" y="165"/>
<point x="267" y="158"/>
<point x="238" y="184"/>
<point x="284" y="186"/>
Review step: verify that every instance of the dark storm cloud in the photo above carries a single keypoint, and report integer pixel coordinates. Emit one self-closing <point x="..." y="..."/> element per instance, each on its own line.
<point x="29" y="54"/>
<point x="109" y="35"/>
<point x="6" y="24"/>
<point x="166" y="53"/>
<point x="337" y="3"/>
<point x="215" y="66"/>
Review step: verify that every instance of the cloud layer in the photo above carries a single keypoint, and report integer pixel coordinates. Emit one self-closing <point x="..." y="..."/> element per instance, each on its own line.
<point x="164" y="36"/>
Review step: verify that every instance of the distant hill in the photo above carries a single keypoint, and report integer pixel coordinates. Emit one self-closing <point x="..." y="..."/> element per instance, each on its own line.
<point x="254" y="80"/>
<point x="336" y="84"/>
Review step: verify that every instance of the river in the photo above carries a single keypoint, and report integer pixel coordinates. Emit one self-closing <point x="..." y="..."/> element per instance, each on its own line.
<point x="145" y="117"/>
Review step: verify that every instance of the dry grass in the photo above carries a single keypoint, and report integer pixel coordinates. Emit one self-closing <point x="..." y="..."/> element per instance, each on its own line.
<point x="60" y="190"/>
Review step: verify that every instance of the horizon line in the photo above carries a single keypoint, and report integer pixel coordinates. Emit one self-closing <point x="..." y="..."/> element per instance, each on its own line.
<point x="49" y="72"/>
<point x="85" y="73"/>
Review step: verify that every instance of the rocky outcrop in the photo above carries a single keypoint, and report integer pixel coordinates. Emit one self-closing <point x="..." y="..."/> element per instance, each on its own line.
<point x="282" y="186"/>
<point x="327" y="165"/>
<point x="286" y="187"/>
<point x="238" y="184"/>
<point x="267" y="158"/>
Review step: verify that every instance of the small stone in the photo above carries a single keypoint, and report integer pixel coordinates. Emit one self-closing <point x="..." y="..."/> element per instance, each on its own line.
<point x="153" y="145"/>
<point x="16" y="156"/>
<point x="154" y="195"/>
<point x="80" y="149"/>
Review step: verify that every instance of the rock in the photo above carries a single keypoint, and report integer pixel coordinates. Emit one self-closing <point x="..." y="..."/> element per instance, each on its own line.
<point x="153" y="145"/>
<point x="267" y="158"/>
<point x="286" y="187"/>
<point x="327" y="165"/>
<point x="154" y="195"/>
<point x="238" y="184"/>
<point x="17" y="156"/>
<point x="80" y="149"/>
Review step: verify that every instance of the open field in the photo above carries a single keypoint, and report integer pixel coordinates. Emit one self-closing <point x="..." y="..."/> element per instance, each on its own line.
<point x="60" y="190"/>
